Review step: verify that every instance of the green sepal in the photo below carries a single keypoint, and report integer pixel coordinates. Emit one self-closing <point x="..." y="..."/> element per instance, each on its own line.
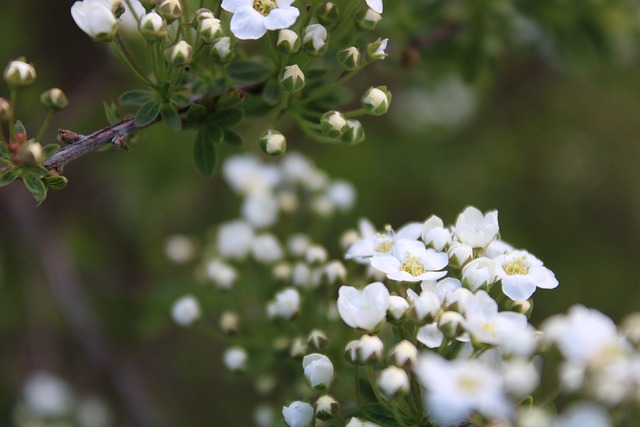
<point x="135" y="98"/>
<point x="56" y="182"/>
<point x="227" y="118"/>
<point x="147" y="113"/>
<point x="170" y="117"/>
<point x="249" y="71"/>
<point x="19" y="128"/>
<point x="35" y="186"/>
<point x="204" y="151"/>
<point x="50" y="149"/>
<point x="111" y="111"/>
<point x="180" y="100"/>
<point x="232" y="138"/>
<point x="8" y="175"/>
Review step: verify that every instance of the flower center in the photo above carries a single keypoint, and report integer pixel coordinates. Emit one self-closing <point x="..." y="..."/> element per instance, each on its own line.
<point x="488" y="327"/>
<point x="468" y="384"/>
<point x="516" y="267"/>
<point x="412" y="265"/>
<point x="264" y="6"/>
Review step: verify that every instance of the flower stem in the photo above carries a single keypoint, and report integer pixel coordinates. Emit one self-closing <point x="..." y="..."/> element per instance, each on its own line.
<point x="13" y="95"/>
<point x="122" y="54"/>
<point x="45" y="125"/>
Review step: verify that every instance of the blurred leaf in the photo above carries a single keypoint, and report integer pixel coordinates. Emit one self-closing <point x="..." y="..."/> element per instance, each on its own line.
<point x="271" y="92"/>
<point x="38" y="171"/>
<point x="135" y="98"/>
<point x="170" y="117"/>
<point x="204" y="152"/>
<point x="180" y="99"/>
<point x="35" y="186"/>
<point x="56" y="182"/>
<point x="4" y="151"/>
<point x="332" y="100"/>
<point x="19" y="128"/>
<point x="232" y="138"/>
<point x="577" y="52"/>
<point x="375" y="412"/>
<point x="147" y="113"/>
<point x="7" y="176"/>
<point x="254" y="106"/>
<point x="249" y="71"/>
<point x="227" y="118"/>
<point x="111" y="111"/>
<point x="50" y="149"/>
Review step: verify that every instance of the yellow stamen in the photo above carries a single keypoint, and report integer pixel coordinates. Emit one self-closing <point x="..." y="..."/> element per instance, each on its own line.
<point x="468" y="384"/>
<point x="264" y="6"/>
<point x="412" y="265"/>
<point x="516" y="267"/>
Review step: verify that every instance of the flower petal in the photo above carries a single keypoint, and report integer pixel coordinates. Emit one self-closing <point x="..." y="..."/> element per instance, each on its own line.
<point x="248" y="24"/>
<point x="518" y="287"/>
<point x="233" y="5"/>
<point x="280" y="18"/>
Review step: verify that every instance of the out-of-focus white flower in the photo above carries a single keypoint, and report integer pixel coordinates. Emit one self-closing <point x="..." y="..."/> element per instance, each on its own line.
<point x="246" y="174"/>
<point x="301" y="275"/>
<point x="441" y="288"/>
<point x="235" y="359"/>
<point x="434" y="234"/>
<point x="185" y="310"/>
<point x="316" y="254"/>
<point x="486" y="325"/>
<point x="393" y="381"/>
<point x="263" y="416"/>
<point x="380" y="243"/>
<point x="260" y="209"/>
<point x="481" y="272"/>
<point x="398" y="306"/>
<point x="235" y="239"/>
<point x="430" y="335"/>
<point x="297" y="244"/>
<point x="285" y="305"/>
<point x="476" y="229"/>
<point x="266" y="249"/>
<point x="522" y="344"/>
<point x="93" y="412"/>
<point x="335" y="271"/>
<point x="318" y="370"/>
<point x="96" y="18"/>
<point x="520" y="377"/>
<point x="584" y="414"/>
<point x="404" y="354"/>
<point x="342" y="194"/>
<point x="521" y="272"/>
<point x="496" y="248"/>
<point x="221" y="273"/>
<point x="252" y="18"/>
<point x="179" y="249"/>
<point x="369" y="349"/>
<point x="457" y="300"/>
<point x="363" y="309"/>
<point x="298" y="348"/>
<point x="359" y="422"/>
<point x="375" y="5"/>
<point x="457" y="388"/>
<point x="298" y="414"/>
<point x="47" y="395"/>
<point x="410" y="261"/>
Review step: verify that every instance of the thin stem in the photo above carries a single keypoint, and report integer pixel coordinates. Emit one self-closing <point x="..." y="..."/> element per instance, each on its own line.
<point x="45" y="125"/>
<point x="357" y="384"/>
<point x="13" y="95"/>
<point x="129" y="65"/>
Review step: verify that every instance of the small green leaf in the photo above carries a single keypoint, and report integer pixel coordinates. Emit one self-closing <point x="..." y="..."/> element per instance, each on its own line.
<point x="147" y="113"/>
<point x="249" y="71"/>
<point x="232" y="138"/>
<point x="196" y="114"/>
<point x="180" y="99"/>
<point x="170" y="117"/>
<point x="56" y="182"/>
<point x="36" y="187"/>
<point x="19" y="128"/>
<point x="4" y="151"/>
<point x="135" y="98"/>
<point x="7" y="176"/>
<point x="204" y="153"/>
<point x="50" y="149"/>
<point x="271" y="92"/>
<point x="38" y="171"/>
<point x="111" y="111"/>
<point x="227" y="118"/>
<point x="213" y="132"/>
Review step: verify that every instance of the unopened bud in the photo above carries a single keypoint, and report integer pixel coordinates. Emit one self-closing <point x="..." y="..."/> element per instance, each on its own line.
<point x="229" y="322"/>
<point x="326" y="407"/>
<point x="235" y="359"/>
<point x="349" y="58"/>
<point x="398" y="307"/>
<point x="393" y="381"/>
<point x="292" y="78"/>
<point x="149" y="4"/>
<point x="354" y="133"/>
<point x="288" y="41"/>
<point x="335" y="272"/>
<point x="404" y="354"/>
<point x="54" y="99"/>
<point x="272" y="143"/>
<point x="317" y="340"/>
<point x="460" y="254"/>
<point x="170" y="9"/>
<point x="298" y="348"/>
<point x="376" y="50"/>
<point x="327" y="13"/>
<point x="202" y="14"/>
<point x="450" y="323"/>
<point x="376" y="100"/>
<point x="351" y="351"/>
<point x="520" y="306"/>
<point x="179" y="54"/>
<point x="368" y="19"/>
<point x="19" y="73"/>
<point x="222" y="51"/>
<point x="315" y="38"/>
<point x="209" y="30"/>
<point x="333" y="124"/>
<point x="31" y="154"/>
<point x="5" y="109"/>
<point x="370" y="349"/>
<point x="153" y="27"/>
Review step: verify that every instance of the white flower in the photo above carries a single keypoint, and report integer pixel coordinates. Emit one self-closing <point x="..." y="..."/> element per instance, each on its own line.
<point x="234" y="239"/>
<point x="252" y="18"/>
<point x="297" y="244"/>
<point x="522" y="344"/>
<point x="375" y="5"/>
<point x="301" y="275"/>
<point x="286" y="304"/>
<point x="316" y="35"/>
<point x="376" y="50"/>
<point x="235" y="359"/>
<point x="298" y="414"/>
<point x="179" y="249"/>
<point x="520" y="377"/>
<point x="342" y="194"/>
<point x="365" y="308"/>
<point x="47" y="395"/>
<point x="488" y="326"/>
<point x="221" y="273"/>
<point x="430" y="335"/>
<point x="260" y="209"/>
<point x="409" y="261"/>
<point x="393" y="381"/>
<point x="266" y="249"/>
<point x="476" y="229"/>
<point x="335" y="271"/>
<point x="263" y="416"/>
<point x="457" y="388"/>
<point x="246" y="174"/>
<point x="316" y="254"/>
<point x="521" y="272"/>
<point x="359" y="422"/>
<point x="318" y="370"/>
<point x="441" y="288"/>
<point x="404" y="354"/>
<point x="457" y="300"/>
<point x="434" y="234"/>
<point x="95" y="18"/>
<point x="584" y="414"/>
<point x="478" y="273"/>
<point x="185" y="310"/>
<point x="382" y="243"/>
<point x="93" y="412"/>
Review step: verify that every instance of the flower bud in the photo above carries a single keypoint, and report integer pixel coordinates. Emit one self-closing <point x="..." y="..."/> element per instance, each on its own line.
<point x="288" y="41"/>
<point x="5" y="109"/>
<point x="153" y="27"/>
<point x="235" y="359"/>
<point x="31" y="154"/>
<point x="314" y="41"/>
<point x="335" y="272"/>
<point x="292" y="78"/>
<point x="520" y="306"/>
<point x="281" y="272"/>
<point x="298" y="348"/>
<point x="376" y="100"/>
<point x="149" y="4"/>
<point x="272" y="143"/>
<point x="450" y="324"/>
<point x="97" y="19"/>
<point x="351" y="351"/>
<point x="354" y="133"/>
<point x="333" y="124"/>
<point x="376" y="50"/>
<point x="457" y="300"/>
<point x="170" y="9"/>
<point x="398" y="307"/>
<point x="316" y="254"/>
<point x="202" y="14"/>
<point x="179" y="54"/>
<point x="327" y="13"/>
<point x="185" y="310"/>
<point x="479" y="273"/>
<point x="348" y="58"/>
<point x="404" y="354"/>
<point x="460" y="254"/>
<point x="318" y="370"/>
<point x="229" y="322"/>
<point x="370" y="349"/>
<point x="54" y="99"/>
<point x="393" y="381"/>
<point x="368" y="19"/>
<point x="209" y="30"/>
<point x="318" y="340"/>
<point x="19" y="73"/>
<point x="326" y="407"/>
<point x="222" y="51"/>
<point x="286" y="304"/>
<point x="298" y="414"/>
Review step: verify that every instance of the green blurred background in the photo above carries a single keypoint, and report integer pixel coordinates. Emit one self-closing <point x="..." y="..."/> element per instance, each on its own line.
<point x="552" y="145"/>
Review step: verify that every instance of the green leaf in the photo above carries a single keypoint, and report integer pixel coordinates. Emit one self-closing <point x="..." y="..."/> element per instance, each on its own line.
<point x="147" y="113"/>
<point x="249" y="71"/>
<point x="56" y="182"/>
<point x="232" y="138"/>
<point x="180" y="99"/>
<point x="170" y="117"/>
<point x="271" y="92"/>
<point x="204" y="153"/>
<point x="213" y="132"/>
<point x="135" y="98"/>
<point x="197" y="113"/>
<point x="227" y="118"/>
<point x="375" y="412"/>
<point x="36" y="187"/>
<point x="4" y="151"/>
<point x="111" y="111"/>
<point x="7" y="176"/>
<point x="50" y="149"/>
<point x="38" y="171"/>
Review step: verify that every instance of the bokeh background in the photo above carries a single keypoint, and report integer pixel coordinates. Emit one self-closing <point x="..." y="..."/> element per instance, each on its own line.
<point x="545" y="135"/>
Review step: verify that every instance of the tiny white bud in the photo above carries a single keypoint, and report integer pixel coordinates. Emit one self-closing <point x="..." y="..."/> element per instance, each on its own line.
<point x="450" y="323"/>
<point x="19" y="73"/>
<point x="170" y="9"/>
<point x="272" y="143"/>
<point x="285" y="305"/>
<point x="333" y="124"/>
<point x="298" y="348"/>
<point x="266" y="249"/>
<point x="229" y="322"/>
<point x="479" y="273"/>
<point x="376" y="50"/>
<point x="297" y="244"/>
<point x="460" y="254"/>
<point x="336" y="272"/>
<point x="368" y="19"/>
<point x="153" y="27"/>
<point x="348" y="58"/>
<point x="288" y="41"/>
<point x="393" y="381"/>
<point x="222" y="51"/>
<point x="54" y="99"/>
<point x="318" y="340"/>
<point x="326" y="407"/>
<point x="209" y="30"/>
<point x="292" y="78"/>
<point x="353" y="133"/>
<point x="318" y="370"/>
<point x="404" y="354"/>
<point x="298" y="414"/>
<point x="185" y="310"/>
<point x="370" y="348"/>
<point x="235" y="359"/>
<point x="316" y="254"/>
<point x="221" y="274"/>
<point x="315" y="38"/>
<point x="31" y="154"/>
<point x="96" y="19"/>
<point x="398" y="306"/>
<point x="179" y="54"/>
<point x="376" y="100"/>
<point x="282" y="271"/>
<point x="179" y="249"/>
